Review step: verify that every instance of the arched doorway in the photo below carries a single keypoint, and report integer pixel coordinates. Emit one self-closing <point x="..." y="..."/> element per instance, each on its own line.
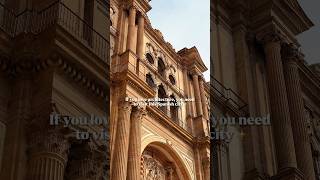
<point x="161" y="162"/>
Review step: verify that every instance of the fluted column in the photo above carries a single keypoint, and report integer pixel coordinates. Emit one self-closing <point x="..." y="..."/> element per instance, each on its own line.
<point x="197" y="94"/>
<point x="298" y="119"/>
<point x="186" y="89"/>
<point x="134" y="159"/>
<point x="48" y="156"/>
<point x="203" y="99"/>
<point x="120" y="159"/>
<point x="140" y="36"/>
<point x="206" y="168"/>
<point x="280" y="116"/>
<point x="131" y="29"/>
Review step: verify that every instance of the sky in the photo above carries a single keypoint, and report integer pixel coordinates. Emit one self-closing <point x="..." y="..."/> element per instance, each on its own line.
<point x="310" y="40"/>
<point x="184" y="23"/>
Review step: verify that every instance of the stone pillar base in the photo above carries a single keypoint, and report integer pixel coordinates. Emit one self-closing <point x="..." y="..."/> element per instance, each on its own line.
<point x="288" y="174"/>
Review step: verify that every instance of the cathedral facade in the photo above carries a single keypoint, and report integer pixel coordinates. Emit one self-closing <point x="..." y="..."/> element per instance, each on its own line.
<point x="258" y="71"/>
<point x="148" y="140"/>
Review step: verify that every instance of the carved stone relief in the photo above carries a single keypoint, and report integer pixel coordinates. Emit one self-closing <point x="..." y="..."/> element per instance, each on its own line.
<point x="152" y="169"/>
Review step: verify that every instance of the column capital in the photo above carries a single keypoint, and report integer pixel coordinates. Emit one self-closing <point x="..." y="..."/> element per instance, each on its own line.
<point x="125" y="105"/>
<point x="86" y="155"/>
<point x="195" y="72"/>
<point x="131" y="7"/>
<point x="138" y="112"/>
<point x="52" y="141"/>
<point x="141" y="16"/>
<point x="290" y="53"/>
<point x="202" y="80"/>
<point x="271" y="36"/>
<point x="195" y="75"/>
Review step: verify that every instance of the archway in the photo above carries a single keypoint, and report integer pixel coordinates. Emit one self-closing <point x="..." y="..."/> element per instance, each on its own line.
<point x="161" y="162"/>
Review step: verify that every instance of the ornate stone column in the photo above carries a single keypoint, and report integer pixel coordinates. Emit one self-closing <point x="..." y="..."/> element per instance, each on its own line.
<point x="280" y="116"/>
<point x="186" y="89"/>
<point x="203" y="99"/>
<point x="48" y="155"/>
<point x="140" y="36"/>
<point x="120" y="159"/>
<point x="197" y="94"/>
<point x="198" y="165"/>
<point x="134" y="159"/>
<point x="298" y="118"/>
<point x="206" y="168"/>
<point x="131" y="29"/>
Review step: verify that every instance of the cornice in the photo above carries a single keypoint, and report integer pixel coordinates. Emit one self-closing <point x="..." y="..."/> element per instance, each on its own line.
<point x="278" y="15"/>
<point x="141" y="5"/>
<point x="192" y="59"/>
<point x="310" y="82"/>
<point x="218" y="100"/>
<point x="301" y="20"/>
<point x="31" y="65"/>
<point x="163" y="119"/>
<point x="140" y="86"/>
<point x="221" y="15"/>
<point x="80" y="77"/>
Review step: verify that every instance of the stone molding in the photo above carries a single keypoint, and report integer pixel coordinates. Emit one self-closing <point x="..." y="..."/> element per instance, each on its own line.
<point x="270" y="36"/>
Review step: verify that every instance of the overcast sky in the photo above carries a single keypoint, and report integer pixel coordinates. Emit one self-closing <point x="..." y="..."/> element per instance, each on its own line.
<point x="310" y="40"/>
<point x="184" y="23"/>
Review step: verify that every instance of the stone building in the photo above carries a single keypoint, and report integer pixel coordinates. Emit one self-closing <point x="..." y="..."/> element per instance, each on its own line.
<point x="258" y="70"/>
<point x="53" y="61"/>
<point x="147" y="141"/>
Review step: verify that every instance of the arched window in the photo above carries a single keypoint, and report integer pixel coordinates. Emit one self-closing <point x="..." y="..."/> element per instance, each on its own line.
<point x="150" y="80"/>
<point x="174" y="109"/>
<point x="161" y="67"/>
<point x="162" y="94"/>
<point x="149" y="58"/>
<point x="172" y="80"/>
